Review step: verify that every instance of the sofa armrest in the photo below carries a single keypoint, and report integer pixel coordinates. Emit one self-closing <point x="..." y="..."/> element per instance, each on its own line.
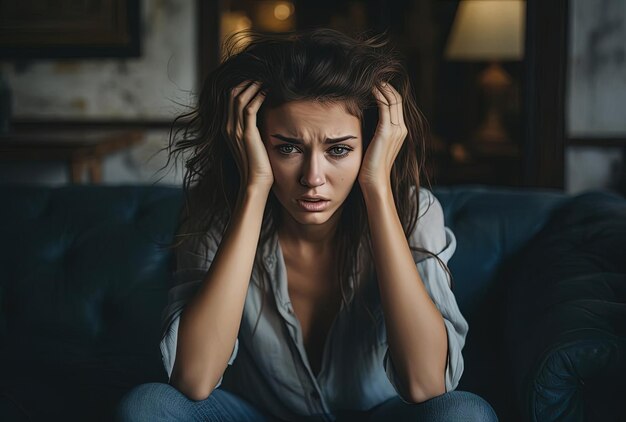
<point x="566" y="312"/>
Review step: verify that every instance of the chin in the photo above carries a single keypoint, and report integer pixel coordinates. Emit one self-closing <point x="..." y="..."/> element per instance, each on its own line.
<point x="311" y="221"/>
<point x="307" y="217"/>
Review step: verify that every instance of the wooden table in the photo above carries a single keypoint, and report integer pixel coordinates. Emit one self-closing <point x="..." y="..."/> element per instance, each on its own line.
<point x="79" y="148"/>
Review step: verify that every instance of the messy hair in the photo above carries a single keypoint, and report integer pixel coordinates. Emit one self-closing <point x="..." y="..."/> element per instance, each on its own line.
<point x="322" y="65"/>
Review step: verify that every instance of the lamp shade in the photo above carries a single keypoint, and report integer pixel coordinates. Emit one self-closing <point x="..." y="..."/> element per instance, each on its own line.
<point x="487" y="30"/>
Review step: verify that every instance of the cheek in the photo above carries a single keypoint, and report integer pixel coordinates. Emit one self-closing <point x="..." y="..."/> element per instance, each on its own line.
<point x="345" y="176"/>
<point x="283" y="174"/>
<point x="355" y="167"/>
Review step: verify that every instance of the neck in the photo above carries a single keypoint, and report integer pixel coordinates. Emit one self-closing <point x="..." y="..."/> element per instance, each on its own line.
<point x="309" y="239"/>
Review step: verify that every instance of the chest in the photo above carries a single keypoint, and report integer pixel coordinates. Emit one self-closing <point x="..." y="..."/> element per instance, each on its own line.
<point x="316" y="300"/>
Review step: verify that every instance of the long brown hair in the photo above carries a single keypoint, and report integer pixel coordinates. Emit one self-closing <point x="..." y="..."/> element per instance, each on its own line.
<point x="318" y="64"/>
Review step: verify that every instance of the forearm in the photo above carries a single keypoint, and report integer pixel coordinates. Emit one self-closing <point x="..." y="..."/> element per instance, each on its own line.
<point x="416" y="332"/>
<point x="210" y="322"/>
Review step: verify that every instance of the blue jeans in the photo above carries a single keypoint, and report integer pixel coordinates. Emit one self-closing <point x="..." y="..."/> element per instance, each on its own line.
<point x="161" y="402"/>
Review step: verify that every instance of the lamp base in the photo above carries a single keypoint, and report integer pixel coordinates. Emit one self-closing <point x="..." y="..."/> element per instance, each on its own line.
<point x="492" y="129"/>
<point x="495" y="82"/>
<point x="494" y="149"/>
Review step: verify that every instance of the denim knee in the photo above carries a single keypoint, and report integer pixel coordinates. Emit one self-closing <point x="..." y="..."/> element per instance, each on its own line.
<point x="473" y="407"/>
<point x="153" y="401"/>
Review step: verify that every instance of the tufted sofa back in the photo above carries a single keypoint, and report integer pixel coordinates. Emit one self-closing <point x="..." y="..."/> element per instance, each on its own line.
<point x="84" y="274"/>
<point x="83" y="278"/>
<point x="491" y="225"/>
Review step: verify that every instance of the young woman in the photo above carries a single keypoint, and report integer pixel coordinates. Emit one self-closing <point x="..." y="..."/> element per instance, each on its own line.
<point x="312" y="279"/>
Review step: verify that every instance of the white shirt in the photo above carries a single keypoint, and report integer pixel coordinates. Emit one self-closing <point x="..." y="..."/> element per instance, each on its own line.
<point x="271" y="369"/>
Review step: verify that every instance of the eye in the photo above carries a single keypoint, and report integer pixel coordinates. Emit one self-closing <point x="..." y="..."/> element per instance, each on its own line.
<point x="338" y="150"/>
<point x="282" y="151"/>
<point x="341" y="147"/>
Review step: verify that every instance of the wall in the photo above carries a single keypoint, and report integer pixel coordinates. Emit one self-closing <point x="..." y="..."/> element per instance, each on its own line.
<point x="596" y="93"/>
<point x="149" y="87"/>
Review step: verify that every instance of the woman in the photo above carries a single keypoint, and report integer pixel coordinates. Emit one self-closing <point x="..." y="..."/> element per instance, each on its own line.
<point x="311" y="263"/>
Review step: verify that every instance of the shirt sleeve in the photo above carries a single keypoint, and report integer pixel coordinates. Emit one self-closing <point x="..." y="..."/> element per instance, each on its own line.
<point x="433" y="235"/>
<point x="193" y="259"/>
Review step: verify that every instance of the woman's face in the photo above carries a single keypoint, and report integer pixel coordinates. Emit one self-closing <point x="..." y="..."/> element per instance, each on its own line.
<point x="315" y="149"/>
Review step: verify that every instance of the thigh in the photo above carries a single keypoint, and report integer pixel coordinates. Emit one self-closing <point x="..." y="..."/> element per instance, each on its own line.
<point x="452" y="406"/>
<point x="162" y="402"/>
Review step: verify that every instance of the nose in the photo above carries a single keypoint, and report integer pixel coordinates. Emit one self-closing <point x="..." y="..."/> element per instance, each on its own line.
<point x="312" y="172"/>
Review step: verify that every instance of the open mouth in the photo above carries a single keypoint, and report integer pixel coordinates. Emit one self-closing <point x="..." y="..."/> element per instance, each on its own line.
<point x="313" y="205"/>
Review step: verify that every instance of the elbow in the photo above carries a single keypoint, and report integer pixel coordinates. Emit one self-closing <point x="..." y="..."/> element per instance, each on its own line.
<point x="192" y="389"/>
<point x="195" y="393"/>
<point x="198" y="395"/>
<point x="419" y="394"/>
<point x="191" y="393"/>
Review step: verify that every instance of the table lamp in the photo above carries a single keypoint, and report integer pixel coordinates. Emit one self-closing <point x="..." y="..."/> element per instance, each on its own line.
<point x="489" y="30"/>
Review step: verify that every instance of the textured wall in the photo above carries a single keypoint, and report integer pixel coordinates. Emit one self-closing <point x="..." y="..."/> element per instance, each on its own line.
<point x="147" y="87"/>
<point x="143" y="87"/>
<point x="596" y="92"/>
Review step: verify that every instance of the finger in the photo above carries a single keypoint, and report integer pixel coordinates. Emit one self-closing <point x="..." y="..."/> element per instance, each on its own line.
<point x="251" y="110"/>
<point x="252" y="139"/>
<point x="399" y="105"/>
<point x="233" y="142"/>
<point x="234" y="92"/>
<point x="246" y="95"/>
<point x="393" y="100"/>
<point x="399" y="111"/>
<point x="241" y="102"/>
<point x="236" y="98"/>
<point x="384" y="118"/>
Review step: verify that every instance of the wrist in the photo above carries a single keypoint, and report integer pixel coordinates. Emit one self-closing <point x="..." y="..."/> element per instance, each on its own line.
<point x="257" y="190"/>
<point x="376" y="190"/>
<point x="253" y="193"/>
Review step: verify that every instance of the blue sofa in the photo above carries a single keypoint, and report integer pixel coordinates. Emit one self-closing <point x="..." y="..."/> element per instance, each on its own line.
<point x="539" y="275"/>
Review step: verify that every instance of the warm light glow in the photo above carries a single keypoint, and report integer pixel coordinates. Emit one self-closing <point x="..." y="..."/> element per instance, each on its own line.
<point x="233" y="22"/>
<point x="487" y="30"/>
<point x="243" y="23"/>
<point x="282" y="11"/>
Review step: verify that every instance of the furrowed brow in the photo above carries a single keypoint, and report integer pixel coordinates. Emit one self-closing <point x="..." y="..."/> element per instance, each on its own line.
<point x="300" y="142"/>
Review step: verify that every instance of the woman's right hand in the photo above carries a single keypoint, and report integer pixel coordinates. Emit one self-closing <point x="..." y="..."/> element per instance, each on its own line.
<point x="244" y="138"/>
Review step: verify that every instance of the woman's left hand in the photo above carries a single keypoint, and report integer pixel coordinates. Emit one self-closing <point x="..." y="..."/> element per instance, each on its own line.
<point x="388" y="139"/>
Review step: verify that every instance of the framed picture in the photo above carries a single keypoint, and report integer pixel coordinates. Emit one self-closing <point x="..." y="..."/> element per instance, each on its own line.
<point x="148" y="90"/>
<point x="62" y="29"/>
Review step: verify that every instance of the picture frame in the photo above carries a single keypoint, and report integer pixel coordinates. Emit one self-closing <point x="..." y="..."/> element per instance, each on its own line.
<point x="31" y="29"/>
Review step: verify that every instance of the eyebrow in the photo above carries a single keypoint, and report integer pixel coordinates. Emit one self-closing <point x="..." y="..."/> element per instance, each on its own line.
<point x="300" y="142"/>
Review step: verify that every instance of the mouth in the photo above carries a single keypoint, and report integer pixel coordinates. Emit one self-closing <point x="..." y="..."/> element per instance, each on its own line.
<point x="313" y="205"/>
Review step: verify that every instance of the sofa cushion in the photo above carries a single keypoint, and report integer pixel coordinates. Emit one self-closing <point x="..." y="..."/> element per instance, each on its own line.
<point x="491" y="224"/>
<point x="565" y="327"/>
<point x="85" y="274"/>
